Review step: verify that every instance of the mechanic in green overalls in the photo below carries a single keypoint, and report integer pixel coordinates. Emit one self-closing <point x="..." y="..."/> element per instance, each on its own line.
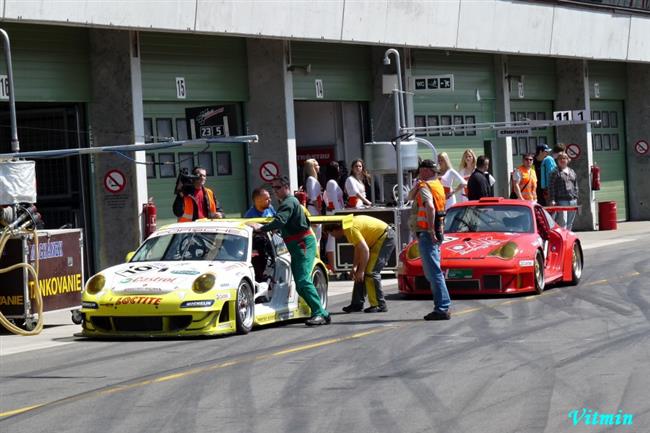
<point x="293" y="224"/>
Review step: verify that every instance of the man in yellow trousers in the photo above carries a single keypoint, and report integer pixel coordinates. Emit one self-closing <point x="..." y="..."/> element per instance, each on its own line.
<point x="374" y="242"/>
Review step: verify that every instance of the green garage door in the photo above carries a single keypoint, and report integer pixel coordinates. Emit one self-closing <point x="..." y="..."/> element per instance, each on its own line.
<point x="219" y="79"/>
<point x="467" y="97"/>
<point x="609" y="153"/>
<point x="531" y="110"/>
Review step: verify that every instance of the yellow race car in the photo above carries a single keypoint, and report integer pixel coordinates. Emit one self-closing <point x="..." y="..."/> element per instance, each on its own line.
<point x="207" y="277"/>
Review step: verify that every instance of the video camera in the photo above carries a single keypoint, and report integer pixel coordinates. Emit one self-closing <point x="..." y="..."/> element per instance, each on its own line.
<point x="185" y="182"/>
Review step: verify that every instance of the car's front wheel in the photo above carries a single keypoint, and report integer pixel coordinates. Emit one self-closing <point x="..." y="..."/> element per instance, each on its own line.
<point x="245" y="307"/>
<point x="319" y="279"/>
<point x="539" y="273"/>
<point x="577" y="262"/>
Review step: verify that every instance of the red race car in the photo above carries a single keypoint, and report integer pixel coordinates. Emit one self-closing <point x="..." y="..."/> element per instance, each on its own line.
<point x="496" y="246"/>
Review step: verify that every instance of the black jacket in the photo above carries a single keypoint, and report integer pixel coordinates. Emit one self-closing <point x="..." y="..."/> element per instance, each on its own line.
<point x="478" y="185"/>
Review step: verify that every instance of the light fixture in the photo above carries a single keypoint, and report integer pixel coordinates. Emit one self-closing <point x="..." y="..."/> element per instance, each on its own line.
<point x="305" y="68"/>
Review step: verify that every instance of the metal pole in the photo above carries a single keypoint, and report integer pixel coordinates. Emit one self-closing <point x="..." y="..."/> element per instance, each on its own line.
<point x="398" y="140"/>
<point x="15" y="145"/>
<point x="401" y="119"/>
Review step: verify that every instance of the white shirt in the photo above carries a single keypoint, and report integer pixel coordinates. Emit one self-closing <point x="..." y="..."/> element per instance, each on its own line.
<point x="447" y="181"/>
<point x="313" y="190"/>
<point x="461" y="195"/>
<point x="354" y="187"/>
<point x="333" y="194"/>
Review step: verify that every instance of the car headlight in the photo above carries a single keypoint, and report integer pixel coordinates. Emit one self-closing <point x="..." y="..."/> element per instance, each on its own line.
<point x="203" y="283"/>
<point x="95" y="284"/>
<point x="413" y="251"/>
<point x="505" y="251"/>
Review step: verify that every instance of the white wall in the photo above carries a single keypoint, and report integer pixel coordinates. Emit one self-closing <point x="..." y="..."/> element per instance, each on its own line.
<point x="483" y="25"/>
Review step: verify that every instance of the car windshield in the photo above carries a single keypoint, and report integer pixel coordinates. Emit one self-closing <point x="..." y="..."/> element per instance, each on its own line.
<point x="193" y="246"/>
<point x="515" y="219"/>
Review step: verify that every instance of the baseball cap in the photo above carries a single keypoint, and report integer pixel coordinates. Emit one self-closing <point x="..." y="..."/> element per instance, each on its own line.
<point x="428" y="163"/>
<point x="543" y="148"/>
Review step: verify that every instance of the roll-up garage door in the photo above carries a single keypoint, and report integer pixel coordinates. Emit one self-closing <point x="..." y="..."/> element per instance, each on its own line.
<point x="608" y="140"/>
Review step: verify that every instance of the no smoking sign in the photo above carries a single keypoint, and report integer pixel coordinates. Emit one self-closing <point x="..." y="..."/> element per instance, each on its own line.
<point x="114" y="181"/>
<point x="269" y="170"/>
<point x="573" y="150"/>
<point x="641" y="147"/>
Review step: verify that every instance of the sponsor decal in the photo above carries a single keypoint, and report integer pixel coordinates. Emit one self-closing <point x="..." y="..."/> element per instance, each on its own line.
<point x="526" y="263"/>
<point x="222" y="296"/>
<point x="136" y="269"/>
<point x="197" y="304"/>
<point x="11" y="300"/>
<point x="92" y="305"/>
<point x="143" y="279"/>
<point x="46" y="251"/>
<point x="472" y="245"/>
<point x="224" y="325"/>
<point x="185" y="272"/>
<point x="57" y="285"/>
<point x="141" y="300"/>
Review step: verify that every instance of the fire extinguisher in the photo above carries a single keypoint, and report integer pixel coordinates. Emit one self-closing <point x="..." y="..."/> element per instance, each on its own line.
<point x="595" y="177"/>
<point x="149" y="214"/>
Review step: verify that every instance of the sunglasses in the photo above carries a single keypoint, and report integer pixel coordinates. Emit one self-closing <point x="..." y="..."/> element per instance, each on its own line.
<point x="528" y="159"/>
<point x="277" y="187"/>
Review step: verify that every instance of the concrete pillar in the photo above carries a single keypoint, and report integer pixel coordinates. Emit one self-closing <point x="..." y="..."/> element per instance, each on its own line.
<point x="501" y="164"/>
<point x="382" y="117"/>
<point x="270" y="110"/>
<point x="637" y="121"/>
<point x="573" y="94"/>
<point x="119" y="184"/>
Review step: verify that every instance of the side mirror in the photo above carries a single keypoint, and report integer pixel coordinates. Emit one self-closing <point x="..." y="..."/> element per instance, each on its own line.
<point x="130" y="255"/>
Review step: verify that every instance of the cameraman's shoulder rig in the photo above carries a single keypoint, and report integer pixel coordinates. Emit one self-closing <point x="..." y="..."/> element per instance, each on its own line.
<point x="439" y="202"/>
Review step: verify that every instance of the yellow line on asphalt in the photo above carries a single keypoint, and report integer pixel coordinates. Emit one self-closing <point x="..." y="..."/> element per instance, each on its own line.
<point x="121" y="388"/>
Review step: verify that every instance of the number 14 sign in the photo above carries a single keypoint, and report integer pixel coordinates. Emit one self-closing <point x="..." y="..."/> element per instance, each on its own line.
<point x="571" y="115"/>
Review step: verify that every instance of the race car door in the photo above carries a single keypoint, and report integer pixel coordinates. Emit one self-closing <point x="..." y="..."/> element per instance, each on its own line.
<point x="283" y="294"/>
<point x="547" y="229"/>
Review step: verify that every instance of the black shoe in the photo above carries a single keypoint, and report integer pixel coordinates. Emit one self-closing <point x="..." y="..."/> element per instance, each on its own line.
<point x="352" y="308"/>
<point x="438" y="315"/>
<point x="318" y="320"/>
<point x="376" y="309"/>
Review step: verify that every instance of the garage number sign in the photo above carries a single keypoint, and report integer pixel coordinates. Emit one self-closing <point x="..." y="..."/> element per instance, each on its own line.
<point x="181" y="90"/>
<point x="4" y="88"/>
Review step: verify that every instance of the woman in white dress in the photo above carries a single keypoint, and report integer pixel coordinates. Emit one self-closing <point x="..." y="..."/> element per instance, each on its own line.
<point x="333" y="198"/>
<point x="451" y="180"/>
<point x="355" y="187"/>
<point x="466" y="168"/>
<point x="314" y="192"/>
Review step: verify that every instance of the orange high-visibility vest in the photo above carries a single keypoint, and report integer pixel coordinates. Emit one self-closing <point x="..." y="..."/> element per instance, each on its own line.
<point x="528" y="183"/>
<point x="189" y="202"/>
<point x="439" y="201"/>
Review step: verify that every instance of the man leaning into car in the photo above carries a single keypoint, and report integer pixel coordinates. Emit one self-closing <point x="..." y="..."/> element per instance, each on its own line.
<point x="426" y="222"/>
<point x="294" y="228"/>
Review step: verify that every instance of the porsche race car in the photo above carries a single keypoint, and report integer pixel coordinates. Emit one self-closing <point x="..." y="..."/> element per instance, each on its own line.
<point x="201" y="278"/>
<point x="497" y="246"/>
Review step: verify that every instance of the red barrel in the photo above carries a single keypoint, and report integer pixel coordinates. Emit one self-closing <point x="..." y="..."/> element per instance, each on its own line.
<point x="607" y="215"/>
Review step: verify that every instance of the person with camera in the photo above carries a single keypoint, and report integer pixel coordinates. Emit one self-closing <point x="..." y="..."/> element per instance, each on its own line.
<point x="193" y="200"/>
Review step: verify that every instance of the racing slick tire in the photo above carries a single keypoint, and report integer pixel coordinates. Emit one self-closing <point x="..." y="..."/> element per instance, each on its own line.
<point x="539" y="273"/>
<point x="319" y="279"/>
<point x="577" y="262"/>
<point x="244" y="308"/>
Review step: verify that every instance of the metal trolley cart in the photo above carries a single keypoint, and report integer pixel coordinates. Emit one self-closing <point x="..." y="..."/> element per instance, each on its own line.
<point x="395" y="217"/>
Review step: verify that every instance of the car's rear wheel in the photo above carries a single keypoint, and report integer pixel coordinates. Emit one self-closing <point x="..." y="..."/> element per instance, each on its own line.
<point x="245" y="307"/>
<point x="577" y="262"/>
<point x="539" y="273"/>
<point x="319" y="279"/>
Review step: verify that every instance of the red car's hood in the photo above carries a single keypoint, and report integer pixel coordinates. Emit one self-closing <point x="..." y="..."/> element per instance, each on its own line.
<point x="478" y="245"/>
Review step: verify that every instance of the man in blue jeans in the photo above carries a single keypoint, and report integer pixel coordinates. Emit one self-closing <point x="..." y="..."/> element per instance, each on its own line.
<point x="426" y="222"/>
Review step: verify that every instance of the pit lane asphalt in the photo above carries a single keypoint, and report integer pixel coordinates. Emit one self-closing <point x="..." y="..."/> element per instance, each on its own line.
<point x="501" y="364"/>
